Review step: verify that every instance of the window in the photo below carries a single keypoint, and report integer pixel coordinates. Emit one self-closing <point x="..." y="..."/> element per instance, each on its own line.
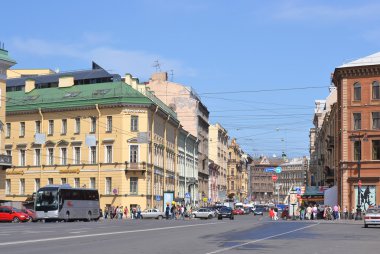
<point x="9" y="152"/>
<point x="8" y="130"/>
<point x="375" y="149"/>
<point x="77" y="155"/>
<point x="134" y="123"/>
<point x="93" y="124"/>
<point x="357" y="121"/>
<point x="8" y="188"/>
<point x="63" y="180"/>
<point x="375" y="90"/>
<point x="21" y="157"/>
<point x="76" y="182"/>
<point x="50" y="156"/>
<point x="357" y="150"/>
<point x="92" y="183"/>
<point x="22" y="186"/>
<point x="22" y="129"/>
<point x="133" y="185"/>
<point x="37" y="184"/>
<point x="64" y="127"/>
<point x="37" y="157"/>
<point x="50" y="181"/>
<point x="375" y="120"/>
<point x="232" y="185"/>
<point x="77" y="125"/>
<point x="38" y="126"/>
<point x="134" y="152"/>
<point x="109" y="124"/>
<point x="51" y="127"/>
<point x="357" y="92"/>
<point x="108" y="185"/>
<point x="63" y="155"/>
<point x="93" y="154"/>
<point x="108" y="154"/>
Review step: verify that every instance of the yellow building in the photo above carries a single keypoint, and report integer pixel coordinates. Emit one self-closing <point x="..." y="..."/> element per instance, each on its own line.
<point x="88" y="134"/>
<point x="5" y="160"/>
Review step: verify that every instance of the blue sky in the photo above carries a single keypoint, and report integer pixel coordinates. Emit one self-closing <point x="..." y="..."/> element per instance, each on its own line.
<point x="228" y="51"/>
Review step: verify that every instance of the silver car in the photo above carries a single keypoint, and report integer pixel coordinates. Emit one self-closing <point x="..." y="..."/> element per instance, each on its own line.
<point x="204" y="213"/>
<point x="372" y="217"/>
<point x="152" y="214"/>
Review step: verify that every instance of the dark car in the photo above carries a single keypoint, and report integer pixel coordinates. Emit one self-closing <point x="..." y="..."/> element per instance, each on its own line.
<point x="225" y="212"/>
<point x="259" y="211"/>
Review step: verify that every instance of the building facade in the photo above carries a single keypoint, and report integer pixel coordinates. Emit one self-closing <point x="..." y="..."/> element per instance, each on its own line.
<point x="218" y="150"/>
<point x="192" y="114"/>
<point x="76" y="129"/>
<point x="358" y="133"/>
<point x="5" y="159"/>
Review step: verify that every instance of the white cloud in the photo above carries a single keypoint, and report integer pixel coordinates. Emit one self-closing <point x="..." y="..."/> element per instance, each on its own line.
<point x="138" y="63"/>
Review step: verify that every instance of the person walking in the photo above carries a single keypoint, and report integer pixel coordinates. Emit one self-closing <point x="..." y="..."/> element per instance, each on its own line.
<point x="167" y="211"/>
<point x="315" y="212"/>
<point x="126" y="212"/>
<point x="308" y="212"/>
<point x="345" y="212"/>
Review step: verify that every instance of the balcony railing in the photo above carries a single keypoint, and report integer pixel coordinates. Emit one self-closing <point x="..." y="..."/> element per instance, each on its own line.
<point x="5" y="161"/>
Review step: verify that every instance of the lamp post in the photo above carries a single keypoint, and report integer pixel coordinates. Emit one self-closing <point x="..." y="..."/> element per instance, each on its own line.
<point x="359" y="137"/>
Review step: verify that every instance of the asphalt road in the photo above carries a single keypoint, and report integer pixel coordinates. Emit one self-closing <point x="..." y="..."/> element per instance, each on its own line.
<point x="245" y="234"/>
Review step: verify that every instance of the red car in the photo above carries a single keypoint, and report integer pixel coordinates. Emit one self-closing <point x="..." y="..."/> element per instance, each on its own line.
<point x="8" y="213"/>
<point x="237" y="212"/>
<point x="31" y="213"/>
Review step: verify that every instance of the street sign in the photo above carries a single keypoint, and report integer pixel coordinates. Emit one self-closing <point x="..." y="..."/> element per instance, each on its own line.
<point x="278" y="170"/>
<point x="274" y="178"/>
<point x="158" y="198"/>
<point x="187" y="195"/>
<point x="360" y="183"/>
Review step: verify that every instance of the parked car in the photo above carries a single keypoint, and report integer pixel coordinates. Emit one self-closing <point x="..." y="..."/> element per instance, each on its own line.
<point x="259" y="211"/>
<point x="8" y="213"/>
<point x="31" y="213"/>
<point x="372" y="217"/>
<point x="225" y="212"/>
<point x="152" y="214"/>
<point x="203" y="213"/>
<point x="237" y="211"/>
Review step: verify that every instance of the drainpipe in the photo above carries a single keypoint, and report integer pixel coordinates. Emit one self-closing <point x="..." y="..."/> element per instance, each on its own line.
<point x="98" y="146"/>
<point x="185" y="151"/>
<point x="42" y="130"/>
<point x="152" y="157"/>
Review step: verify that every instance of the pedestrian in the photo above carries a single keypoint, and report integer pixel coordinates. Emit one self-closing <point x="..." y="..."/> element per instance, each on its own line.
<point x="167" y="211"/>
<point x="315" y="212"/>
<point x="271" y="214"/>
<point x="275" y="213"/>
<point x="308" y="212"/>
<point x="353" y="211"/>
<point x="302" y="213"/>
<point x="126" y="212"/>
<point x="106" y="212"/>
<point x="138" y="212"/>
<point x="345" y="212"/>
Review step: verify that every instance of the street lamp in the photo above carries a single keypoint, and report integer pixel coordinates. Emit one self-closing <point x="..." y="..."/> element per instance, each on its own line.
<point x="359" y="137"/>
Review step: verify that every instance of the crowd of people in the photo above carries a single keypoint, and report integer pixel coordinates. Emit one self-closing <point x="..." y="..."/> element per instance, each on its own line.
<point x="120" y="212"/>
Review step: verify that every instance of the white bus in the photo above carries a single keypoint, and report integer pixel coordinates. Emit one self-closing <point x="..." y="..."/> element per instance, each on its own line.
<point x="61" y="202"/>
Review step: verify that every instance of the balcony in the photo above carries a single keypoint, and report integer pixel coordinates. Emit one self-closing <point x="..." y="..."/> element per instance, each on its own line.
<point x="134" y="167"/>
<point x="5" y="161"/>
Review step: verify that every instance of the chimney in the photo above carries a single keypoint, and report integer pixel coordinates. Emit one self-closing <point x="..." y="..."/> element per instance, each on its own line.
<point x="66" y="81"/>
<point x="159" y="76"/>
<point x="30" y="84"/>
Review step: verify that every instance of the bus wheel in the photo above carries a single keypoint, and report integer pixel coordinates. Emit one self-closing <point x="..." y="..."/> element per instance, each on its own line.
<point x="89" y="216"/>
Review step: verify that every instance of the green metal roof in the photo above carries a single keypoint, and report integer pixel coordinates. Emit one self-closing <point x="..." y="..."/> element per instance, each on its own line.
<point x="79" y="96"/>
<point x="4" y="56"/>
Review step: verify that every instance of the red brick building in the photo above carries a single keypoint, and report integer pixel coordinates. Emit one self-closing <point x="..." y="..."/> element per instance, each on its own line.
<point x="358" y="85"/>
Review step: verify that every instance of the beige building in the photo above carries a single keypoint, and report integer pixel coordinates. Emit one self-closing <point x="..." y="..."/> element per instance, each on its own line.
<point x="5" y="160"/>
<point x="89" y="130"/>
<point x="193" y="116"/>
<point x="218" y="150"/>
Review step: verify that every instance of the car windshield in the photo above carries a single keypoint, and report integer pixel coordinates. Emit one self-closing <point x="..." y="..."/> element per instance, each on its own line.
<point x="16" y="210"/>
<point x="373" y="210"/>
<point x="226" y="209"/>
<point x="47" y="200"/>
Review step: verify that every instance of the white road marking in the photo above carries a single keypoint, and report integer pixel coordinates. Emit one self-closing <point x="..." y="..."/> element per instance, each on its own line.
<point x="77" y="232"/>
<point x="104" y="234"/>
<point x="259" y="240"/>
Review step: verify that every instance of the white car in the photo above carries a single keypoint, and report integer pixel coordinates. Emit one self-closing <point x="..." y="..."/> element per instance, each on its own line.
<point x="204" y="213"/>
<point x="152" y="214"/>
<point x="372" y="217"/>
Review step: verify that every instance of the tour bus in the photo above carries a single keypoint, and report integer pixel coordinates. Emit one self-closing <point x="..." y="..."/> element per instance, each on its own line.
<point x="61" y="202"/>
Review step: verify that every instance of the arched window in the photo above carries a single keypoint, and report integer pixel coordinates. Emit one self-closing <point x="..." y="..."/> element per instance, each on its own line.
<point x="375" y="90"/>
<point x="357" y="91"/>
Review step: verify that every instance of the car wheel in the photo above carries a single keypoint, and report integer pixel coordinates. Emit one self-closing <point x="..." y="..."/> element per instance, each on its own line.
<point x="160" y="217"/>
<point x="67" y="217"/>
<point x="89" y="215"/>
<point x="366" y="225"/>
<point x="220" y="217"/>
<point x="16" y="220"/>
<point x="232" y="218"/>
<point x="209" y="217"/>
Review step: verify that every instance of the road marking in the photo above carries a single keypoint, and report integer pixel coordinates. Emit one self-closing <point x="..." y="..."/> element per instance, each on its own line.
<point x="77" y="232"/>
<point x="261" y="239"/>
<point x="104" y="234"/>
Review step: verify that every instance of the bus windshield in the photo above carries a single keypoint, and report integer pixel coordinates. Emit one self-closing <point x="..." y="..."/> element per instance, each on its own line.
<point x="47" y="200"/>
